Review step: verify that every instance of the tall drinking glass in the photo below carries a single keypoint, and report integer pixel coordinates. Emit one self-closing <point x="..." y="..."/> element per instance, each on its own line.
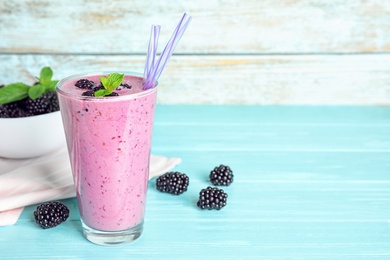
<point x="109" y="141"/>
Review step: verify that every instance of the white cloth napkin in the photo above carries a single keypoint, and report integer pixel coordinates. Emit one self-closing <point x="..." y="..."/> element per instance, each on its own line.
<point x="46" y="178"/>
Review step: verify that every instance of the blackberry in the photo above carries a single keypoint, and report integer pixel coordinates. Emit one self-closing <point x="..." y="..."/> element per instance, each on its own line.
<point x="51" y="214"/>
<point x="212" y="198"/>
<point x="221" y="175"/>
<point x="89" y="93"/>
<point x="172" y="182"/>
<point x="53" y="105"/>
<point x="39" y="105"/>
<point x="13" y="110"/>
<point x="85" y="84"/>
<point x="113" y="94"/>
<point x="125" y="85"/>
<point x="96" y="88"/>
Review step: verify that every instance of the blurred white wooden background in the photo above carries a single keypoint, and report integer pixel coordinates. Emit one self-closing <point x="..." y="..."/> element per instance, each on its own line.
<point x="331" y="52"/>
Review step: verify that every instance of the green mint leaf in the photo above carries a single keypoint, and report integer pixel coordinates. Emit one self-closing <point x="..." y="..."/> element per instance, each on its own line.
<point x="104" y="81"/>
<point x="13" y="92"/>
<point x="45" y="75"/>
<point x="102" y="92"/>
<point x="112" y="81"/>
<point x="36" y="91"/>
<point x="51" y="85"/>
<point x="115" y="79"/>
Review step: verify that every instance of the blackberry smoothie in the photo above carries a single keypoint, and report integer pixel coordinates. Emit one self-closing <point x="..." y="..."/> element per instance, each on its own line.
<point x="109" y="141"/>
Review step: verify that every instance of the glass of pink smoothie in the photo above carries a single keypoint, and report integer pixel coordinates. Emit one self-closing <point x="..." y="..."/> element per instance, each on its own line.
<point x="109" y="141"/>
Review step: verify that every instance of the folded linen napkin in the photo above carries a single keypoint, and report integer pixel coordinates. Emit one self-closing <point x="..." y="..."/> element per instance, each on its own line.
<point x="46" y="178"/>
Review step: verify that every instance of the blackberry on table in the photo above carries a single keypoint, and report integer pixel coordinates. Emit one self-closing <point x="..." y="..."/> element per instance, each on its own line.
<point x="221" y="175"/>
<point x="172" y="182"/>
<point x="51" y="214"/>
<point x="212" y="198"/>
<point x="85" y="84"/>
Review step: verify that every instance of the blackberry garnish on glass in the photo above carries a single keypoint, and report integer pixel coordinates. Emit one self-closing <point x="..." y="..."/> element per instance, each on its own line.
<point x="105" y="89"/>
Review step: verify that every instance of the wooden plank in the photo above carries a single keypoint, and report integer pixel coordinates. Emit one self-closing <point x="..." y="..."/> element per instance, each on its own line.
<point x="236" y="79"/>
<point x="218" y="26"/>
<point x="283" y="203"/>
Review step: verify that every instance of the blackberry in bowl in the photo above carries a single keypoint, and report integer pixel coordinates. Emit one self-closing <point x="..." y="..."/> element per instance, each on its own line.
<point x="30" y="120"/>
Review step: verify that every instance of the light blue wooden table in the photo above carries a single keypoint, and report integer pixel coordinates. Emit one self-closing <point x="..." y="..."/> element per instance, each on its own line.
<point x="310" y="183"/>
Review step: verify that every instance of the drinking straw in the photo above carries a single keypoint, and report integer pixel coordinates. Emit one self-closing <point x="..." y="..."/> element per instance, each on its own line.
<point x="152" y="50"/>
<point x="155" y="68"/>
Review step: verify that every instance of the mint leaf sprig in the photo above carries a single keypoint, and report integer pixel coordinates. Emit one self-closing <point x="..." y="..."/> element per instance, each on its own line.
<point x="13" y="92"/>
<point x="110" y="83"/>
<point x="19" y="91"/>
<point x="45" y="83"/>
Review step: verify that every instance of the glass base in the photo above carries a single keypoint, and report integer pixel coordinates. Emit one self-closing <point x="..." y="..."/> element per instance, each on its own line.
<point x="112" y="238"/>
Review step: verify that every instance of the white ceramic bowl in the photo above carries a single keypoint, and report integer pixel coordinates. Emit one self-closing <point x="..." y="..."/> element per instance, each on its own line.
<point x="32" y="136"/>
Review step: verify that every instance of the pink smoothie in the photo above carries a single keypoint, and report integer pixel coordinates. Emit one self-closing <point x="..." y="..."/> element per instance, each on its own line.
<point x="109" y="141"/>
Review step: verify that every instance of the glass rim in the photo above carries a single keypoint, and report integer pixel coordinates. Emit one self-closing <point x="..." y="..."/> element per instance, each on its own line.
<point x="99" y="99"/>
